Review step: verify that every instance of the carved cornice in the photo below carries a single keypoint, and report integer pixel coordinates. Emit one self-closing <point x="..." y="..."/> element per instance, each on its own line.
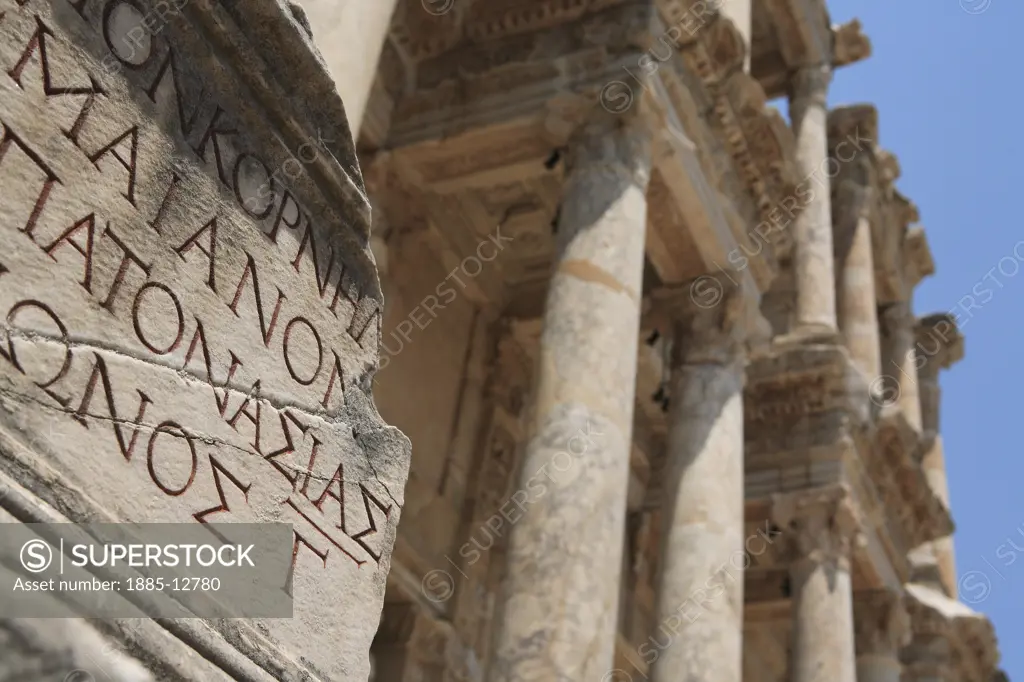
<point x="794" y="382"/>
<point x="940" y="342"/>
<point x="910" y="503"/>
<point x="849" y="44"/>
<point x="950" y="635"/>
<point x="881" y="623"/>
<point x="759" y="141"/>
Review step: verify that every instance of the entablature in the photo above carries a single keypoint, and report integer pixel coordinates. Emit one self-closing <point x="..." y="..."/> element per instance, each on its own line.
<point x="790" y="34"/>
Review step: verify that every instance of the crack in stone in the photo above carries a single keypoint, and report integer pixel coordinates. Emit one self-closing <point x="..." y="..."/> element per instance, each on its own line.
<point x="205" y="438"/>
<point x="272" y="398"/>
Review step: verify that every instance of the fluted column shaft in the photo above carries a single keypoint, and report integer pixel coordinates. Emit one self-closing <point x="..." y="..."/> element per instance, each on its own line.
<point x="815" y="279"/>
<point x="822" y="593"/>
<point x="700" y="586"/>
<point x="882" y="628"/>
<point x="350" y="35"/>
<point x="565" y="553"/>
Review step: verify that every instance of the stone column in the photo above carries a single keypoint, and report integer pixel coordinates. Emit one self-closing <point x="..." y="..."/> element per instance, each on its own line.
<point x="813" y="256"/>
<point x="700" y="586"/>
<point x="882" y="628"/>
<point x="350" y="35"/>
<point x="823" y="527"/>
<point x="741" y="12"/>
<point x="565" y="553"/>
<point x="857" y="303"/>
<point x="899" y="366"/>
<point x="940" y="345"/>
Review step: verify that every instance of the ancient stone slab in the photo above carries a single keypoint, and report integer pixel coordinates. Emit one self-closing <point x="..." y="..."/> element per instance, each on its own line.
<point x="190" y="313"/>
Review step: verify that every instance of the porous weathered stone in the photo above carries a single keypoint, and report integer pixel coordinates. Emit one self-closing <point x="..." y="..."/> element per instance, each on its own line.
<point x="190" y="310"/>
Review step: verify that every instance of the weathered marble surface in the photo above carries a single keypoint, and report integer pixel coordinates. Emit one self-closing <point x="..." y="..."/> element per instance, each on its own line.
<point x="565" y="553"/>
<point x="823" y="629"/>
<point x="190" y="312"/>
<point x="812" y="230"/>
<point x="699" y="628"/>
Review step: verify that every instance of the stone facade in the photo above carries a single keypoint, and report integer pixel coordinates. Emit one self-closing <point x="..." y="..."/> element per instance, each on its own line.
<point x="672" y="415"/>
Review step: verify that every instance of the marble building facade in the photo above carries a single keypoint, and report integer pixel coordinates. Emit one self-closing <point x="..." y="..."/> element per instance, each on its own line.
<point x="673" y="414"/>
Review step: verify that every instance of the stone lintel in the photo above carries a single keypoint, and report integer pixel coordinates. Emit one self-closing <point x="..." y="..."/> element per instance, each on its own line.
<point x="881" y="623"/>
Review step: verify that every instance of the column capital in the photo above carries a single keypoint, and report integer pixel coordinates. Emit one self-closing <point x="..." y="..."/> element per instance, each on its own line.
<point x="620" y="143"/>
<point x="706" y="316"/>
<point x="881" y="622"/>
<point x="896" y="317"/>
<point x="811" y="82"/>
<point x="824" y="523"/>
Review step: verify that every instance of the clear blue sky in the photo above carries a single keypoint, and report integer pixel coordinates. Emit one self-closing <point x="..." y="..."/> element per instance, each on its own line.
<point x="947" y="84"/>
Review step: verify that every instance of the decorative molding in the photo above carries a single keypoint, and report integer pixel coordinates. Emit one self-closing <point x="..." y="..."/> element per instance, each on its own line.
<point x="823" y="522"/>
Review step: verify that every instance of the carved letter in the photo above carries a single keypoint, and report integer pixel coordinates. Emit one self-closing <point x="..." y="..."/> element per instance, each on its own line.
<point x="210" y="250"/>
<point x="219" y="469"/>
<point x="88" y="223"/>
<point x="267" y="331"/>
<point x="99" y="373"/>
<point x="166" y="427"/>
<point x="129" y="165"/>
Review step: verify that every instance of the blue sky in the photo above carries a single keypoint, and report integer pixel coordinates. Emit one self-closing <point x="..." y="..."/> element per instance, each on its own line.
<point x="947" y="84"/>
